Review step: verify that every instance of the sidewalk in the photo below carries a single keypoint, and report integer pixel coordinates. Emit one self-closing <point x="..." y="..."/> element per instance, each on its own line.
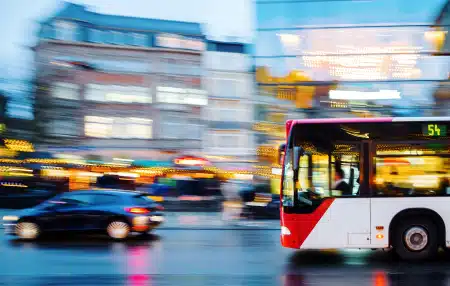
<point x="214" y="221"/>
<point x="200" y="220"/>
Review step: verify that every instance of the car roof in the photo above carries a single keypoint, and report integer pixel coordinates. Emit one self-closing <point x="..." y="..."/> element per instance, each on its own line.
<point x="106" y="192"/>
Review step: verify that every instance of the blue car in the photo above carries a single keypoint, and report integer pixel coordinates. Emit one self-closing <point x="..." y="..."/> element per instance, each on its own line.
<point x="113" y="212"/>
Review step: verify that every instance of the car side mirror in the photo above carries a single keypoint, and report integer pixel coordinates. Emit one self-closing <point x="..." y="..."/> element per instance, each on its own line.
<point x="298" y="153"/>
<point x="281" y="152"/>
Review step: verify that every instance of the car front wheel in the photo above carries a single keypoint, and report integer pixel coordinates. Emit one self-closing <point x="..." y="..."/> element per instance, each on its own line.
<point x="118" y="230"/>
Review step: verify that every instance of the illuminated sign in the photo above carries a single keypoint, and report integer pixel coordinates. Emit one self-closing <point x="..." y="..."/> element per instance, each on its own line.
<point x="434" y="130"/>
<point x="179" y="42"/>
<point x="364" y="95"/>
<point x="190" y="161"/>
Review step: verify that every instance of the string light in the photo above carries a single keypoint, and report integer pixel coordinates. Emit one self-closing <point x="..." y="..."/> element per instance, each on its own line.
<point x="19" y="145"/>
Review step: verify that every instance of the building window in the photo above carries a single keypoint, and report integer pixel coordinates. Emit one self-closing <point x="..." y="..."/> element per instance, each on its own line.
<point x="139" y="39"/>
<point x="118" y="127"/>
<point x="179" y="42"/>
<point x="129" y="39"/>
<point x="118" y="38"/>
<point x="181" y="67"/>
<point x="65" y="90"/>
<point x="178" y="127"/>
<point x="181" y="95"/>
<point x="227" y="88"/>
<point x="47" y="32"/>
<point x="95" y="36"/>
<point x="66" y="31"/>
<point x="229" y="111"/>
<point x="63" y="128"/>
<point x="227" y="140"/>
<point x="117" y="93"/>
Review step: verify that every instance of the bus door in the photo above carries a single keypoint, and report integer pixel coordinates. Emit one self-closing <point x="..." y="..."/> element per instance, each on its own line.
<point x="331" y="211"/>
<point x="350" y="210"/>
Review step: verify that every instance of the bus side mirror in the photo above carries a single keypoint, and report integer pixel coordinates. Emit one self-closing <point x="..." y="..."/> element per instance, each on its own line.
<point x="281" y="151"/>
<point x="298" y="152"/>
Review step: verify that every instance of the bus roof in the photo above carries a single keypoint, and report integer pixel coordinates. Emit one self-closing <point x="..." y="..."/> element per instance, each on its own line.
<point x="291" y="123"/>
<point x="366" y="120"/>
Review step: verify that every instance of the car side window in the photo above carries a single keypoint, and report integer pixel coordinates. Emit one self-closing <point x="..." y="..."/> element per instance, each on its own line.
<point x="81" y="199"/>
<point x="106" y="199"/>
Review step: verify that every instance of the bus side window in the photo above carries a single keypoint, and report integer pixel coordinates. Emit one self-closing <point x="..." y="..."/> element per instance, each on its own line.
<point x="345" y="170"/>
<point x="418" y="170"/>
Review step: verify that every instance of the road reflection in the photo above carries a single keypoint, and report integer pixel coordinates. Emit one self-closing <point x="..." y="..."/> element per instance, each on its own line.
<point x="206" y="258"/>
<point x="363" y="267"/>
<point x="83" y="243"/>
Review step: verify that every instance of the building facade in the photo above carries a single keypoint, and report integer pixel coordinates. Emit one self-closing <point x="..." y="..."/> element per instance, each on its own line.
<point x="330" y="59"/>
<point x="229" y="137"/>
<point x="119" y="86"/>
<point x="442" y="94"/>
<point x="341" y="64"/>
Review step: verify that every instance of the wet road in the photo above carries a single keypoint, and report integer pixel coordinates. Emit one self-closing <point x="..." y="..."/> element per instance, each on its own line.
<point x="204" y="257"/>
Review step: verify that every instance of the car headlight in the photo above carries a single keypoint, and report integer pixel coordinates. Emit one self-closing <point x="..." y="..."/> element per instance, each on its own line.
<point x="10" y="218"/>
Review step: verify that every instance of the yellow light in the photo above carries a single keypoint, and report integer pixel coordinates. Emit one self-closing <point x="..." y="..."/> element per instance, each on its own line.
<point x="19" y="145"/>
<point x="17" y="185"/>
<point x="55" y="173"/>
<point x="437" y="38"/>
<point x="379" y="236"/>
<point x="156" y="198"/>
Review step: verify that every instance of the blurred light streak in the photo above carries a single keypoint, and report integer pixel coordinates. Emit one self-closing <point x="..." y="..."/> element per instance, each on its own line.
<point x="138" y="262"/>
<point x="139" y="280"/>
<point x="364" y="95"/>
<point x="380" y="278"/>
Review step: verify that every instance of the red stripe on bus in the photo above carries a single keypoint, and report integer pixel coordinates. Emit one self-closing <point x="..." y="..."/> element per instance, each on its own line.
<point x="310" y="221"/>
<point x="301" y="225"/>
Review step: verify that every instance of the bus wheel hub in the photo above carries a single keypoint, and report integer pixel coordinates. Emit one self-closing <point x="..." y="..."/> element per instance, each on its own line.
<point x="416" y="238"/>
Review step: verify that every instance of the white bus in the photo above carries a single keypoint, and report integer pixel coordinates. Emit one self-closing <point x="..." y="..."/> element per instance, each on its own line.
<point x="367" y="183"/>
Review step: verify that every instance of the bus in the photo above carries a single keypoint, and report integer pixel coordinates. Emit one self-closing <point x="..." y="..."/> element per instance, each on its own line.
<point x="366" y="183"/>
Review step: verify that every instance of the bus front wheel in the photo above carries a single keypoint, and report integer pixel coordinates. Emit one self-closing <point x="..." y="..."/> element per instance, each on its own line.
<point x="416" y="239"/>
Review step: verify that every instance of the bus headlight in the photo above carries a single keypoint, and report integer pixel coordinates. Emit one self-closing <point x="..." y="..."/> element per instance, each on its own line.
<point x="285" y="231"/>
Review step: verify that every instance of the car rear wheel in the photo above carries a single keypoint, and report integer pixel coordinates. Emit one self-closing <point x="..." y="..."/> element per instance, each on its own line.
<point x="118" y="230"/>
<point x="27" y="230"/>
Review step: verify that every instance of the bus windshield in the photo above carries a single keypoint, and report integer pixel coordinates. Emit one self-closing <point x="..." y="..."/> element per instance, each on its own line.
<point x="365" y="159"/>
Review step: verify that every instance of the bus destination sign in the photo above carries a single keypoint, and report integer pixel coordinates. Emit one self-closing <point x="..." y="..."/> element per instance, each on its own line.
<point x="434" y="130"/>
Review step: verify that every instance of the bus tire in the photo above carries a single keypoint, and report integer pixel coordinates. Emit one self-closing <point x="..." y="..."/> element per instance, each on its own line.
<point x="416" y="239"/>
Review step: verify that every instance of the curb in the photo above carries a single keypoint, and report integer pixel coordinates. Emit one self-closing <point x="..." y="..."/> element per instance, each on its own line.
<point x="217" y="228"/>
<point x="208" y="228"/>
